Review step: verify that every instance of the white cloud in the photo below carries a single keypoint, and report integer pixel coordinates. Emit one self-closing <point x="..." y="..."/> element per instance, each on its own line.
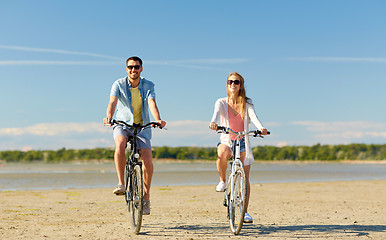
<point x="94" y="134"/>
<point x="27" y="148"/>
<point x="316" y="126"/>
<point x="201" y="61"/>
<point x="192" y="129"/>
<point x="350" y="134"/>
<point x="272" y="124"/>
<point x="345" y="130"/>
<point x="186" y="63"/>
<point x="22" y="62"/>
<point x="176" y="129"/>
<point x="189" y="133"/>
<point x="57" y="51"/>
<point x="336" y="59"/>
<point x="282" y="144"/>
<point x="55" y="129"/>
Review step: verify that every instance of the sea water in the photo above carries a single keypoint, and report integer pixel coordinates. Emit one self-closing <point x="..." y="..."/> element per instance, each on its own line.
<point x="39" y="176"/>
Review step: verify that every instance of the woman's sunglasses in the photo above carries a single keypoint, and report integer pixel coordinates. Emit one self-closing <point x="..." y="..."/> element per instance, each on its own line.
<point x="236" y="82"/>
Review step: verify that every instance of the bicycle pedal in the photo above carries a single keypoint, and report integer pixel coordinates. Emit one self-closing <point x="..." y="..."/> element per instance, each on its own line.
<point x="120" y="194"/>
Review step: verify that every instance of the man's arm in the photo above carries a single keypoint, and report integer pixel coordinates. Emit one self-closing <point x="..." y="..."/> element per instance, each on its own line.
<point x="110" y="110"/>
<point x="154" y="111"/>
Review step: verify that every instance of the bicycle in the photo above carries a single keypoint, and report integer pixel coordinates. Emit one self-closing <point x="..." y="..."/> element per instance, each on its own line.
<point x="133" y="176"/>
<point x="236" y="190"/>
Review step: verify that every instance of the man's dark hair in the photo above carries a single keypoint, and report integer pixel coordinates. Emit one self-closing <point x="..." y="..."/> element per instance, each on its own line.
<point x="134" y="58"/>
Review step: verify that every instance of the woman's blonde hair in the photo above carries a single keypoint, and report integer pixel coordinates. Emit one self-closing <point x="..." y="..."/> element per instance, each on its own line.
<point x="242" y="98"/>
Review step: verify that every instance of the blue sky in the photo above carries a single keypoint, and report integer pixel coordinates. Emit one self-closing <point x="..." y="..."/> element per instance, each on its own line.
<point x="316" y="70"/>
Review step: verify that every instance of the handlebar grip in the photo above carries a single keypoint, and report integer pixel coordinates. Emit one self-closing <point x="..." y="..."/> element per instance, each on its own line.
<point x="154" y="124"/>
<point x="221" y="128"/>
<point x="258" y="132"/>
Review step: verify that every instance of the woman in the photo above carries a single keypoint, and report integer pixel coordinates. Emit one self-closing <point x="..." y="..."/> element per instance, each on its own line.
<point x="235" y="112"/>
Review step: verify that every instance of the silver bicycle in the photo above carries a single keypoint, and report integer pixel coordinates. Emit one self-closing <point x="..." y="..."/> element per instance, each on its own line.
<point x="236" y="190"/>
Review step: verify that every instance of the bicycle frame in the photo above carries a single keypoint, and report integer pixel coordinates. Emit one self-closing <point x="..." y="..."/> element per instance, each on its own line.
<point x="131" y="162"/>
<point x="134" y="176"/>
<point x="236" y="152"/>
<point x="234" y="165"/>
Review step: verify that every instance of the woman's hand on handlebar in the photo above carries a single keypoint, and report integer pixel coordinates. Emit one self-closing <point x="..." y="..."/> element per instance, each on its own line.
<point x="213" y="126"/>
<point x="264" y="131"/>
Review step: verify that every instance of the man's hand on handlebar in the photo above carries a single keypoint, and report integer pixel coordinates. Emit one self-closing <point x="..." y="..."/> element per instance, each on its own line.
<point x="107" y="121"/>
<point x="161" y="123"/>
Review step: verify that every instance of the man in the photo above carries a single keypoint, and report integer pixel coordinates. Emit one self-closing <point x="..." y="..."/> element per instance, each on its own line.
<point x="133" y="96"/>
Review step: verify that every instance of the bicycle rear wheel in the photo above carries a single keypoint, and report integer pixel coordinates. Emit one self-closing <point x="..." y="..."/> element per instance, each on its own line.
<point x="135" y="203"/>
<point x="237" y="201"/>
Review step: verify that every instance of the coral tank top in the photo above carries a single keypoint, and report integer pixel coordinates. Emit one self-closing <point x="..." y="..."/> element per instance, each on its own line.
<point x="236" y="123"/>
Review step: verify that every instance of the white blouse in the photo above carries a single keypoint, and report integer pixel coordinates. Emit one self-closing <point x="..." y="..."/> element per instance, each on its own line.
<point x="220" y="117"/>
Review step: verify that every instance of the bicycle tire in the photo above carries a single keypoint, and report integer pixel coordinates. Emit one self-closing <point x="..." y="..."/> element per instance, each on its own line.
<point x="135" y="204"/>
<point x="237" y="201"/>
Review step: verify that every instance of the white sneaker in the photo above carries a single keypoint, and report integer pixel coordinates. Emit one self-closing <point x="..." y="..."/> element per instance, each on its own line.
<point x="146" y="207"/>
<point x="248" y="218"/>
<point x="221" y="186"/>
<point x="119" y="190"/>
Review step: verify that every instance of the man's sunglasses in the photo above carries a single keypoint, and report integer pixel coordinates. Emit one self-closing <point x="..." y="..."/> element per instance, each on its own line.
<point x="134" y="66"/>
<point x="236" y="82"/>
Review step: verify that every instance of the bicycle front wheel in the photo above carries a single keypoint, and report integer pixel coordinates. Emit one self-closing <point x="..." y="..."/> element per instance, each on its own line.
<point x="237" y="201"/>
<point x="135" y="204"/>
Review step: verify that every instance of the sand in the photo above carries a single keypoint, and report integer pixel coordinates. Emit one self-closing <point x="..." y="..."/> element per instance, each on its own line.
<point x="317" y="210"/>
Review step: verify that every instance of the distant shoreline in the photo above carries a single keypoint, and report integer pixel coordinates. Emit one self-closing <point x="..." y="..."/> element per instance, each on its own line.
<point x="318" y="152"/>
<point x="172" y="160"/>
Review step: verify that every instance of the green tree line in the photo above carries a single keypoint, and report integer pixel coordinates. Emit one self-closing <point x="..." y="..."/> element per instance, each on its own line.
<point x="271" y="153"/>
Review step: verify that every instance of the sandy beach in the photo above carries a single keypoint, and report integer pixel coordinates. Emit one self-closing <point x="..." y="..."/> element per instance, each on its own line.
<point x="317" y="210"/>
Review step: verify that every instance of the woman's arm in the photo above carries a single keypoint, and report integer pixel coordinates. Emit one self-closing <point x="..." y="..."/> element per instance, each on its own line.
<point x="255" y="120"/>
<point x="216" y="115"/>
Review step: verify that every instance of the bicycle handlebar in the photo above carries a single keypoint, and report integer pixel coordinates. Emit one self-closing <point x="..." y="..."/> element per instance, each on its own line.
<point x="230" y="131"/>
<point x="137" y="126"/>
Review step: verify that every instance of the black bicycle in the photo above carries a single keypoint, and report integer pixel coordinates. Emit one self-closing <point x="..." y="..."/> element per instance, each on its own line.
<point x="133" y="176"/>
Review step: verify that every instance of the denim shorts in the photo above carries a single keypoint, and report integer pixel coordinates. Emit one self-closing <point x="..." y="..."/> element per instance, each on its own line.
<point x="142" y="142"/>
<point x="233" y="145"/>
